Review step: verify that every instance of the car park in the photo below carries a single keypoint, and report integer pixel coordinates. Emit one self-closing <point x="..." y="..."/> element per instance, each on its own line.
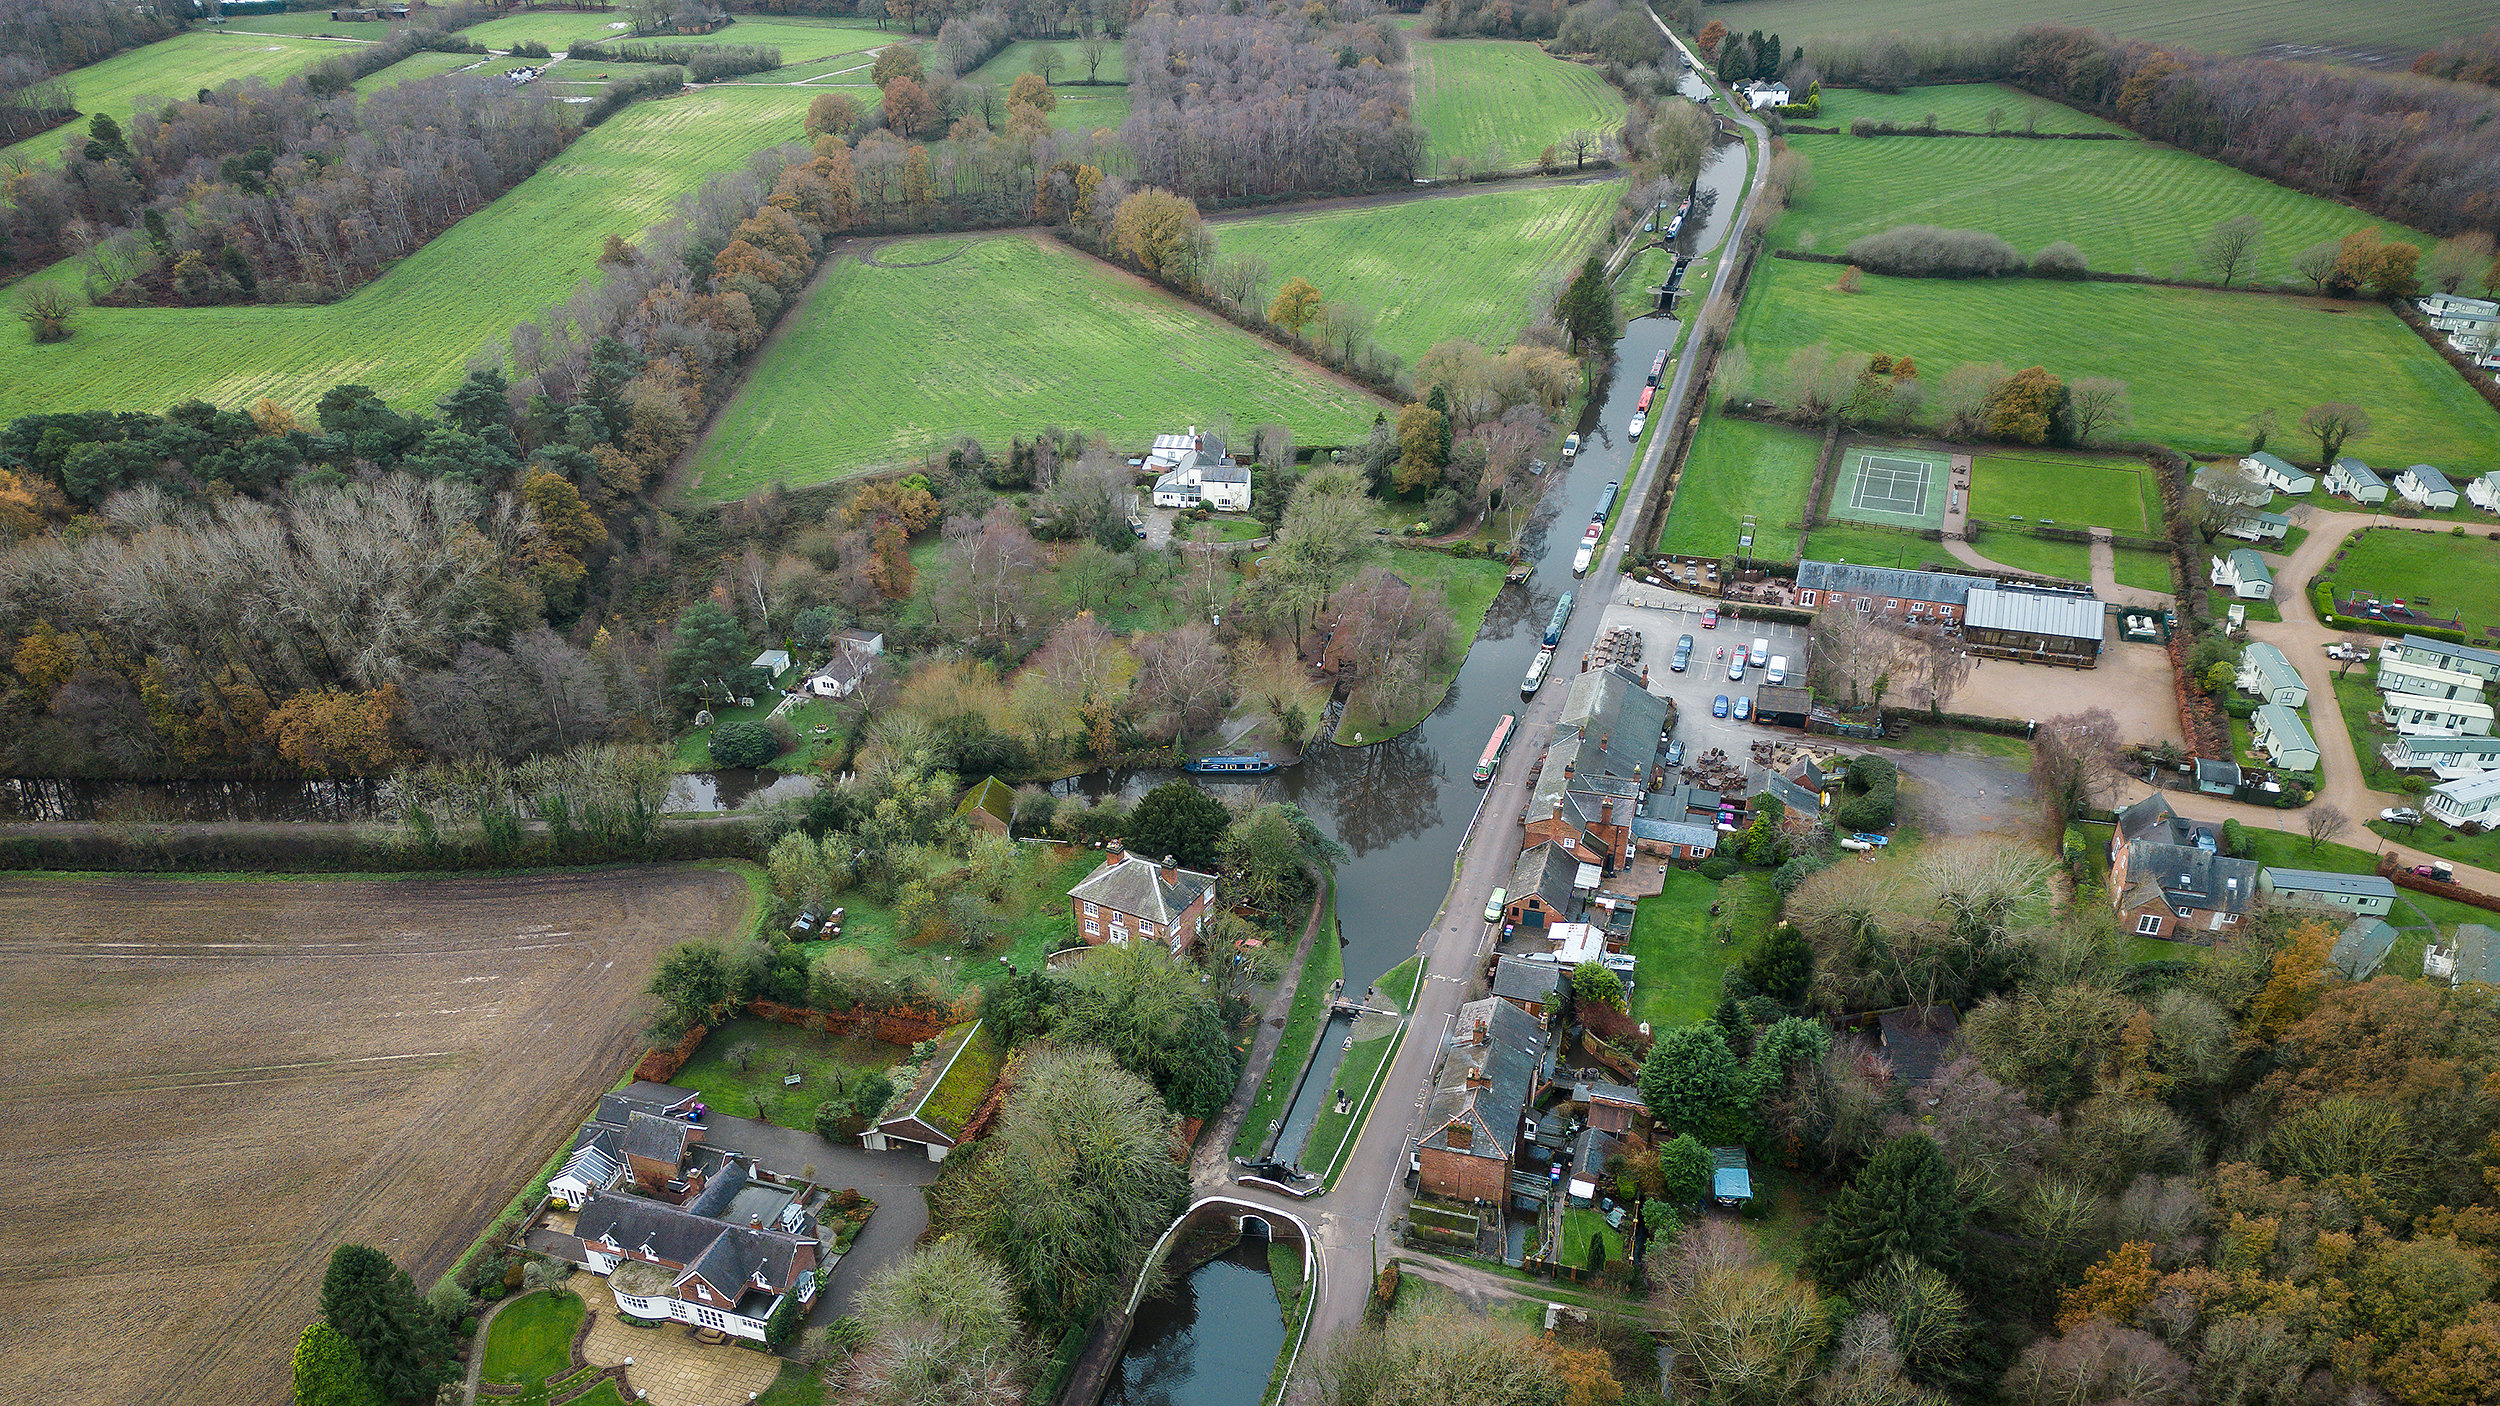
<point x="1777" y="671"/>
<point x="1718" y="706"/>
<point x="1744" y="709"/>
<point x="1683" y="653"/>
<point x="1736" y="668"/>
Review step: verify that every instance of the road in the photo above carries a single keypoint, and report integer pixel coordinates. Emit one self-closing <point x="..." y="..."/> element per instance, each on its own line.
<point x="1351" y="1222"/>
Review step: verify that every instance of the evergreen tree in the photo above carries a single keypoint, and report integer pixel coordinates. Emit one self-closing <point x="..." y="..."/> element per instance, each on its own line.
<point x="1782" y="964"/>
<point x="1440" y="400"/>
<point x="406" y="1350"/>
<point x="1178" y="819"/>
<point x="328" y="1372"/>
<point x="709" y="646"/>
<point x="1683" y="1169"/>
<point x="1587" y="307"/>
<point x="1902" y="1203"/>
<point x="1692" y="1083"/>
<point x="1788" y="1043"/>
<point x="1766" y="59"/>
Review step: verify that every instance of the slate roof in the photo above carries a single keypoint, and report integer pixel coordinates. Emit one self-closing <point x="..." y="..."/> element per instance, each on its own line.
<point x="1518" y="980"/>
<point x="2150" y="816"/>
<point x="2320" y="881"/>
<point x="2188" y="877"/>
<point x="1224" y="473"/>
<point x="657" y="1137"/>
<point x="1676" y="832"/>
<point x="2478" y="954"/>
<point x="1592" y="1090"/>
<point x="1914" y="1039"/>
<point x="1137" y="887"/>
<point x="1546" y="871"/>
<point x="727" y="1257"/>
<point x="1797" y="798"/>
<point x="2363" y="948"/>
<point x="1511" y="1055"/>
<point x="1887" y="581"/>
<point x="2037" y="613"/>
<point x="2217" y="771"/>
<point x="1617" y="721"/>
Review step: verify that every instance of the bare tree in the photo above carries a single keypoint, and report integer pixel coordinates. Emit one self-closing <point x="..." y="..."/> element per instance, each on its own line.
<point x="2097" y="403"/>
<point x="45" y="310"/>
<point x="2230" y="248"/>
<point x="1184" y="679"/>
<point x="1853" y="654"/>
<point x="2323" y="823"/>
<point x="1932" y="663"/>
<point x="2333" y="422"/>
<point x="1094" y="48"/>
<point x="1580" y="143"/>
<point x="2317" y="262"/>
<point x="2228" y="498"/>
<point x="2074" y="756"/>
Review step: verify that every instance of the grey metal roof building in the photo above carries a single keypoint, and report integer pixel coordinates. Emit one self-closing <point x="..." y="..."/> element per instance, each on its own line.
<point x="2079" y="617"/>
<point x="1852" y="579"/>
<point x="2363" y="948"/>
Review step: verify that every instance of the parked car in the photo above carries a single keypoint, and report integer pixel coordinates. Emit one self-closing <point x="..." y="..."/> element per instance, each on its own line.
<point x="1710" y="618"/>
<point x="2440" y="872"/>
<point x="1683" y="653"/>
<point x="1718" y="706"/>
<point x="1777" y="672"/>
<point x="1761" y="653"/>
<point x="1744" y="709"/>
<point x="1675" y="752"/>
<point x="1736" y="668"/>
<point x="1493" y="905"/>
<point x="2401" y="815"/>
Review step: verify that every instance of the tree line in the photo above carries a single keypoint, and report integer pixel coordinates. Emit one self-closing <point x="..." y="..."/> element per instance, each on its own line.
<point x="57" y="35"/>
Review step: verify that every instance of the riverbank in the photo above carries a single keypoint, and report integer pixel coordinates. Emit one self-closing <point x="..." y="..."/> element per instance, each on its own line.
<point x="1468" y="585"/>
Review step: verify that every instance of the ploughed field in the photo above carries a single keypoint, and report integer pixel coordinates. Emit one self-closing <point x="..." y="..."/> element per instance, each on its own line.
<point x="215" y="1083"/>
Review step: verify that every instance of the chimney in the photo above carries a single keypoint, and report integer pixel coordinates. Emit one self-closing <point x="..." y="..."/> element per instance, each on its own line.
<point x="1112" y="853"/>
<point x="1171" y="870"/>
<point x="1476" y="1079"/>
<point x="1558" y="803"/>
<point x="755" y="1222"/>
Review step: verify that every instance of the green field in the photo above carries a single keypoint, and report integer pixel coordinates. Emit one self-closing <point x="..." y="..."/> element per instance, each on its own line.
<point x="1008" y="336"/>
<point x="1871" y="546"/>
<point x="2067" y="561"/>
<point x="1496" y="258"/>
<point x="408" y="333"/>
<point x="1737" y="467"/>
<point x="2396" y="30"/>
<point x="305" y="22"/>
<point x="2190" y="357"/>
<point x="2070" y="490"/>
<point x="172" y="68"/>
<point x="1957" y="107"/>
<point x="1017" y="58"/>
<point x="2459" y="573"/>
<point x="2132" y="207"/>
<point x="1475" y="97"/>
<point x="426" y="65"/>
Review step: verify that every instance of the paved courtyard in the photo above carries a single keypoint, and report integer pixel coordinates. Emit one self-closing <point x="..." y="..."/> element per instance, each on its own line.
<point x="668" y="1363"/>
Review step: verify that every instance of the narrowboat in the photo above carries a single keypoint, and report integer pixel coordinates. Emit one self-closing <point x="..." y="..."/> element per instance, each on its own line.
<point x="1536" y="673"/>
<point x="1491" y="761"/>
<point x="1236" y="764"/>
<point x="1562" y="617"/>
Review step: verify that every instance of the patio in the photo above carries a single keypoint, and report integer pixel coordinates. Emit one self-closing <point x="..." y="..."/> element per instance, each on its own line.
<point x="669" y="1365"/>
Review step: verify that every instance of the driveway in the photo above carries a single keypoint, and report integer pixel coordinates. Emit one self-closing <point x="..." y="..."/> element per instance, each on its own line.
<point x="891" y="1179"/>
<point x="1958" y="793"/>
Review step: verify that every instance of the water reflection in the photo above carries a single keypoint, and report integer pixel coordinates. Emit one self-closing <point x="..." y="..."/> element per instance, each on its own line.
<point x="1210" y="1340"/>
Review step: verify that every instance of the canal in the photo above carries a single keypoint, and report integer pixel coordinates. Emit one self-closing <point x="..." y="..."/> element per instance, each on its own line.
<point x="1212" y="1339"/>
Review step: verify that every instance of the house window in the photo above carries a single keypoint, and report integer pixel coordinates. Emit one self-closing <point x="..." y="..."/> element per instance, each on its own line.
<point x="1805" y="597"/>
<point x="711" y="1318"/>
<point x="1866" y="605"/>
<point x="2182" y="912"/>
<point x="1090" y="910"/>
<point x="2148" y="924"/>
<point x="1092" y="926"/>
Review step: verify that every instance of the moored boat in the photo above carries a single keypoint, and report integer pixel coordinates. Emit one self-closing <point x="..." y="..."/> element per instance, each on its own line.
<point x="1233" y="764"/>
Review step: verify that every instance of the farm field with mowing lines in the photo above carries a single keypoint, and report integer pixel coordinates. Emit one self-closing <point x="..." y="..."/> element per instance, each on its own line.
<point x="1493" y="254"/>
<point x="409" y="333"/>
<point x="278" y="1065"/>
<point x="2132" y="207"/>
<point x="554" y="28"/>
<point x="2184" y="352"/>
<point x="1737" y="467"/>
<point x="308" y="22"/>
<point x="1009" y="335"/>
<point x="170" y="68"/>
<point x="1958" y="107"/>
<point x="1475" y="94"/>
<point x="2070" y="490"/>
<point x="429" y="65"/>
<point x="2393" y="31"/>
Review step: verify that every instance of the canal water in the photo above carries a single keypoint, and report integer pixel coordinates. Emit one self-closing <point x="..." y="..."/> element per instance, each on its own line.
<point x="1212" y="1339"/>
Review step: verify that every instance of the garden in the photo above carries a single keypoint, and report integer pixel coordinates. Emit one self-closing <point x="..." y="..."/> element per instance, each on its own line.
<point x="744" y="1069"/>
<point x="1738" y="469"/>
<point x="2441" y="575"/>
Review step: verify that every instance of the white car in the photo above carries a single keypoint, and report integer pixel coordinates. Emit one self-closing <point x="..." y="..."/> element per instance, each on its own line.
<point x="2401" y="815"/>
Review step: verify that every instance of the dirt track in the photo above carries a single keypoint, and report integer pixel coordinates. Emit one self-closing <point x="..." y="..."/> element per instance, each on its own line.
<point x="215" y="1083"/>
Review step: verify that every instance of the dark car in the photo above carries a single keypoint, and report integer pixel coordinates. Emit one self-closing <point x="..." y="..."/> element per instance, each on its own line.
<point x="1744" y="709"/>
<point x="1683" y="653"/>
<point x="1675" y="752"/>
<point x="1718" y="706"/>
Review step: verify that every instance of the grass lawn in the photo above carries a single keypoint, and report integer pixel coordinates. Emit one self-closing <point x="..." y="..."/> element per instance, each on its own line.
<point x="1332" y="1133"/>
<point x="2292" y="850"/>
<point x="1469" y="584"/>
<point x="176" y="67"/>
<point x="532" y="1338"/>
<point x="409" y="333"/>
<point x="796" y="1386"/>
<point x="2132" y="207"/>
<point x="1782" y="1235"/>
<point x="781" y="1050"/>
<point x="1958" y="107"/>
<point x="2070" y="561"/>
<point x="1497" y="257"/>
<point x="1676" y="979"/>
<point x="1082" y="106"/>
<point x="1303" y="1022"/>
<point x="1009" y="335"/>
<point x="2069" y="490"/>
<point x="1871" y="546"/>
<point x="2358" y="699"/>
<point x="425" y="65"/>
<point x="2191" y="389"/>
<point x="2401" y="28"/>
<point x="2482" y="851"/>
<point x="2459" y="573"/>
<point x="2146" y="571"/>
<point x="1035" y="917"/>
<point x="1581" y="1224"/>
<point x="1499" y="102"/>
<point x="1736" y="467"/>
<point x="1965" y="742"/>
<point x="694" y="750"/>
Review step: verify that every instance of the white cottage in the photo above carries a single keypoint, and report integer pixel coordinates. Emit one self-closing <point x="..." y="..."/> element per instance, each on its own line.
<point x="2245" y="574"/>
<point x="1193" y="469"/>
<point x="2278" y="473"/>
<point x="2351" y="478"/>
<point x="2473" y="800"/>
<point x="2427" y="487"/>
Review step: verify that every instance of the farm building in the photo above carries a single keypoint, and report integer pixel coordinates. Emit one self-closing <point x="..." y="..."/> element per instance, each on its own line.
<point x="2472" y="800"/>
<point x="1134" y="897"/>
<point x="2363" y="948"/>
<point x="2484" y="492"/>
<point x="2279" y="733"/>
<point x="2413" y="715"/>
<point x="2370" y="895"/>
<point x="2472" y="956"/>
<point x="1493" y="1070"/>
<point x="2278" y="473"/>
<point x="2448" y="758"/>
<point x="932" y="1113"/>
<point x="2401" y="675"/>
<point x="2427" y="487"/>
<point x="2180" y="893"/>
<point x="1885" y="590"/>
<point x="2267" y="674"/>
<point x="2457" y="658"/>
<point x="2051" y="627"/>
<point x="2259" y="527"/>
<point x="2245" y="574"/>
<point x="2351" y="478"/>
<point x="1192" y="469"/>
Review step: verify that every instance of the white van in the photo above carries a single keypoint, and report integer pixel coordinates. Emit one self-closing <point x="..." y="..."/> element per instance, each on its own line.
<point x="1761" y="653"/>
<point x="1493" y="905"/>
<point x="1778" y="673"/>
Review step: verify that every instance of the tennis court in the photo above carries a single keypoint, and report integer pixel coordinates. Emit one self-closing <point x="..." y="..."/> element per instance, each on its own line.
<point x="1892" y="487"/>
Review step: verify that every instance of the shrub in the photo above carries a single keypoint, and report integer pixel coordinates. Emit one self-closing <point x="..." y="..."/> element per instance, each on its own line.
<point x="1715" y="869"/>
<point x="468" y="1326"/>
<point x="744" y="744"/>
<point x="1930" y="251"/>
<point x="2059" y="260"/>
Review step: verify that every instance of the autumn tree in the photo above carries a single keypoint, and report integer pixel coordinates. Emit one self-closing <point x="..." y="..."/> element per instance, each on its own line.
<point x="910" y="110"/>
<point x="1422" y="439"/>
<point x="896" y="61"/>
<point x="2301" y="970"/>
<point x="339" y="732"/>
<point x="1032" y="90"/>
<point x="1708" y="40"/>
<point x="2023" y="408"/>
<point x="2121" y="1283"/>
<point x="831" y="115"/>
<point x="1297" y="302"/>
<point x="1161" y="233"/>
<point x="2332" y="423"/>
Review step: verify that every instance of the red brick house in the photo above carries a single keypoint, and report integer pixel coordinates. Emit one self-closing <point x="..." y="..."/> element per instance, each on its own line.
<point x="1491" y="1075"/>
<point x="1885" y="590"/>
<point x="2180" y="893"/>
<point x="1129" y="897"/>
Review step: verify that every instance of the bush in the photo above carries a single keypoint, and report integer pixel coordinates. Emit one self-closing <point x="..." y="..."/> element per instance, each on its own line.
<point x="2059" y="260"/>
<point x="1788" y="876"/>
<point x="1715" y="869"/>
<point x="1930" y="251"/>
<point x="744" y="744"/>
<point x="468" y="1326"/>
